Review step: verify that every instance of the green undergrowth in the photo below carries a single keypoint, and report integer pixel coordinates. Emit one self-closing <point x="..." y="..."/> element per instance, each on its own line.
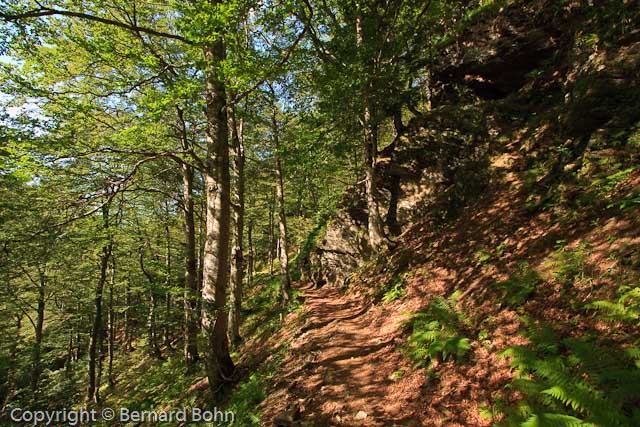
<point x="146" y="383"/>
<point x="573" y="381"/>
<point x="520" y="286"/>
<point x="439" y="332"/>
<point x="311" y="242"/>
<point x="590" y="379"/>
<point x="394" y="289"/>
<point x="249" y="393"/>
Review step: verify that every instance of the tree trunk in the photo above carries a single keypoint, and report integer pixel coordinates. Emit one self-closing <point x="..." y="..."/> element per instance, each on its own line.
<point x="191" y="314"/>
<point x="78" y="347"/>
<point x="219" y="366"/>
<point x="201" y="244"/>
<point x="111" y="326"/>
<point x="166" y="329"/>
<point x="36" y="368"/>
<point x="68" y="362"/>
<point x="96" y="331"/>
<point x="101" y="354"/>
<point x="250" y="255"/>
<point x="285" y="287"/>
<point x="271" y="233"/>
<point x="237" y="260"/>
<point x="152" y="333"/>
<point x="370" y="130"/>
<point x="128" y="347"/>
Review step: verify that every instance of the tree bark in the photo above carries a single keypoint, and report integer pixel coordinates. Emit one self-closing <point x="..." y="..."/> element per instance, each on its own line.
<point x="201" y="243"/>
<point x="78" y="347"/>
<point x="111" y="326"/>
<point x="272" y="242"/>
<point x="152" y="333"/>
<point x="370" y="130"/>
<point x="283" y="253"/>
<point x="237" y="259"/>
<point x="191" y="314"/>
<point x="250" y="255"/>
<point x="219" y="366"/>
<point x="166" y="326"/>
<point x="96" y="331"/>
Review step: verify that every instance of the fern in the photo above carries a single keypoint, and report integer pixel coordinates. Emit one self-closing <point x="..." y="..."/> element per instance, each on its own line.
<point x="572" y="382"/>
<point x="436" y="332"/>
<point x="554" y="420"/>
<point x="519" y="287"/>
<point x="625" y="309"/>
<point x="570" y="265"/>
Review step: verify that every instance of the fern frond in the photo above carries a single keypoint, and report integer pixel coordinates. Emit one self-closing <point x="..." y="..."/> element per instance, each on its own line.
<point x="554" y="420"/>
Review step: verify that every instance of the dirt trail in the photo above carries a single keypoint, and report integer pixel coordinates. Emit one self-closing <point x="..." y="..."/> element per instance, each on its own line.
<point x="340" y="371"/>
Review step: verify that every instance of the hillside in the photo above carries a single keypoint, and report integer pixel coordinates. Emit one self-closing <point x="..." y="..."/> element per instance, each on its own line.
<point x="547" y="227"/>
<point x="315" y="214"/>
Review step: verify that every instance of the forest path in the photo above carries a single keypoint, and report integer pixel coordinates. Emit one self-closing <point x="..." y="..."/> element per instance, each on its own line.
<point x="340" y="370"/>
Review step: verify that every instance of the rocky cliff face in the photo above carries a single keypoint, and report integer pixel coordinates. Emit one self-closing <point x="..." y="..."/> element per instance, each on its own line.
<point x="549" y="79"/>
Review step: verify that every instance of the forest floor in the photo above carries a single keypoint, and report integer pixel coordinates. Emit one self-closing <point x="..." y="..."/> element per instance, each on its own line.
<point x="346" y="360"/>
<point x="342" y="367"/>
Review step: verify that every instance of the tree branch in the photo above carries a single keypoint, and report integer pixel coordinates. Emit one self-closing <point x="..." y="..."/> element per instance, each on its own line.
<point x="46" y="11"/>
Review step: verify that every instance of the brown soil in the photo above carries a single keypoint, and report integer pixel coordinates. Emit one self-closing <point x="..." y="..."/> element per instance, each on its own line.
<point x="340" y="368"/>
<point x="346" y="352"/>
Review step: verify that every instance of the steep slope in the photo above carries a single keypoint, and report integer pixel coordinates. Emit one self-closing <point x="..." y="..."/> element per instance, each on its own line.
<point x="517" y="200"/>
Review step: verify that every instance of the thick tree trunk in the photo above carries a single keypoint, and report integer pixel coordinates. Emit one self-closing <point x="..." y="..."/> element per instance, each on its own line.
<point x="370" y="131"/>
<point x="99" y="368"/>
<point x="219" y="366"/>
<point x="191" y="314"/>
<point x="96" y="331"/>
<point x="284" y="247"/>
<point x="237" y="260"/>
<point x="36" y="362"/>
<point x="283" y="253"/>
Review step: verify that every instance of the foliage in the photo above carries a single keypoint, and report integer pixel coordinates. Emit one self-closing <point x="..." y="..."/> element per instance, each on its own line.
<point x="437" y="332"/>
<point x="572" y="382"/>
<point x="570" y="265"/>
<point x="245" y="399"/>
<point x="394" y="289"/>
<point x="310" y="243"/>
<point x="396" y="292"/>
<point x="519" y="287"/>
<point x="625" y="309"/>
